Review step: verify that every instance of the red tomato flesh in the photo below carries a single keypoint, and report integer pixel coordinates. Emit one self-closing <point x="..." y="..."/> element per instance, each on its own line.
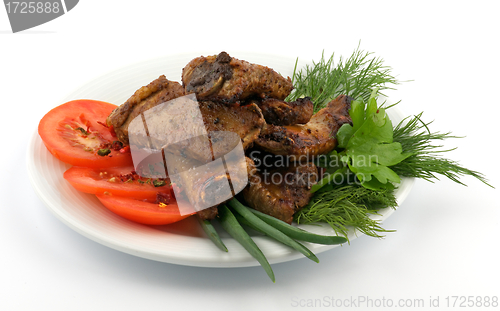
<point x="142" y="212"/>
<point x="119" y="181"/>
<point x="73" y="132"/>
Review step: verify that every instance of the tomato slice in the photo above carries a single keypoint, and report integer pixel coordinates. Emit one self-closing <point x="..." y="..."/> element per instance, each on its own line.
<point x="74" y="132"/>
<point x="142" y="212"/>
<point x="120" y="181"/>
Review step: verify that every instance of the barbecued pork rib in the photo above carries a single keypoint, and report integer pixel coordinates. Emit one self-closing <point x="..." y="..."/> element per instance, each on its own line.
<point x="311" y="139"/>
<point x="227" y="79"/>
<point x="281" y="192"/>
<point x="158" y="91"/>
<point x="279" y="112"/>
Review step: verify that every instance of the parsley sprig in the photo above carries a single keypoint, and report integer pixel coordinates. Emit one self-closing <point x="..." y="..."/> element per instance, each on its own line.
<point x="368" y="146"/>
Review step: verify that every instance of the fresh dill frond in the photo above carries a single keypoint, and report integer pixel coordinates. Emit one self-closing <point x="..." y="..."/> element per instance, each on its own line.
<point x="426" y="161"/>
<point x="346" y="207"/>
<point x="355" y="76"/>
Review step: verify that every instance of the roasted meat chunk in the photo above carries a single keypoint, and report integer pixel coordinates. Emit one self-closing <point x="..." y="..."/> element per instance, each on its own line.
<point x="227" y="79"/>
<point x="246" y="121"/>
<point x="205" y="186"/>
<point x="209" y="213"/>
<point x="200" y="130"/>
<point x="159" y="115"/>
<point x="279" y="112"/>
<point x="202" y="186"/>
<point x="281" y="192"/>
<point x="311" y="139"/>
<point x="156" y="92"/>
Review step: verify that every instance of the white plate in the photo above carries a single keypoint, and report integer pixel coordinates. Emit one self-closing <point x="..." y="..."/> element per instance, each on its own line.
<point x="181" y="243"/>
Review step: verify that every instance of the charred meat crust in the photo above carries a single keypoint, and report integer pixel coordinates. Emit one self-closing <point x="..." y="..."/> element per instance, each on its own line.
<point x="279" y="112"/>
<point x="311" y="139"/>
<point x="214" y="78"/>
<point x="156" y="92"/>
<point x="281" y="192"/>
<point x="211" y="212"/>
<point x="208" y="77"/>
<point x="208" y="213"/>
<point x="201" y="185"/>
<point x="220" y="121"/>
<point x="245" y="120"/>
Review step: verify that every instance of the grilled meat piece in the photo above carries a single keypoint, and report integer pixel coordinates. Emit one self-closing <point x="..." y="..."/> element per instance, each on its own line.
<point x="226" y="79"/>
<point x="205" y="76"/>
<point x="156" y="92"/>
<point x="209" y="213"/>
<point x="200" y="130"/>
<point x="281" y="192"/>
<point x="159" y="114"/>
<point x="279" y="112"/>
<point x="311" y="139"/>
<point x="205" y="186"/>
<point x="246" y="121"/>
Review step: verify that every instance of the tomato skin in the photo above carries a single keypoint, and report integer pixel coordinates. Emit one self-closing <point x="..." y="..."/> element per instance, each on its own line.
<point x="97" y="181"/>
<point x="91" y="112"/>
<point x="142" y="212"/>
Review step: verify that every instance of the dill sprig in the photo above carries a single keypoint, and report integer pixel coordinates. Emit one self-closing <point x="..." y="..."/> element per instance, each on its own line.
<point x="426" y="161"/>
<point x="346" y="207"/>
<point x="356" y="76"/>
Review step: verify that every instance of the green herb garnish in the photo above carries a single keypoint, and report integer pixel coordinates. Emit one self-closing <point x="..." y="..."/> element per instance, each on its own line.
<point x="82" y="130"/>
<point x="356" y="76"/>
<point x="369" y="147"/>
<point x="372" y="150"/>
<point x="425" y="160"/>
<point x="347" y="206"/>
<point x="103" y="152"/>
<point x="159" y="183"/>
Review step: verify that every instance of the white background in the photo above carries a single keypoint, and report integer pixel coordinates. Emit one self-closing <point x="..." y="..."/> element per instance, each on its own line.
<point x="447" y="237"/>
